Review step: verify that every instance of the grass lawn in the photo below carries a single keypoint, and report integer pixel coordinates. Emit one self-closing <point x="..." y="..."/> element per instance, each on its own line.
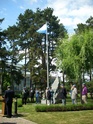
<point x="74" y="117"/>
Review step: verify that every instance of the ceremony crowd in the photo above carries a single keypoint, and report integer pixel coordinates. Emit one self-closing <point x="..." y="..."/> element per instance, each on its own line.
<point x="49" y="96"/>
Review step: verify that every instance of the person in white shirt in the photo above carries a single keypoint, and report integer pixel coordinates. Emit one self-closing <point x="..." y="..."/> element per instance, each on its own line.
<point x="74" y="94"/>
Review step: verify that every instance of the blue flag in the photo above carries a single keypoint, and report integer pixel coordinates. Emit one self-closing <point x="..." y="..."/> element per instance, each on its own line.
<point x="43" y="29"/>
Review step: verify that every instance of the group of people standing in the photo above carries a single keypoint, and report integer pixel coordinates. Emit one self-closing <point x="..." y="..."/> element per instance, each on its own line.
<point x="37" y="94"/>
<point x="32" y="93"/>
<point x="74" y="94"/>
<point x="26" y="94"/>
<point x="50" y="95"/>
<point x="63" y="95"/>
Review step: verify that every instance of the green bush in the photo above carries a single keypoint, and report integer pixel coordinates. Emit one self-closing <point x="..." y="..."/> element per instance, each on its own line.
<point x="19" y="102"/>
<point x="18" y="95"/>
<point x="52" y="108"/>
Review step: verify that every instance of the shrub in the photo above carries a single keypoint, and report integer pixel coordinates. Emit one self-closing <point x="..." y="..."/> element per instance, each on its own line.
<point x="18" y="95"/>
<point x="19" y="103"/>
<point x="53" y="108"/>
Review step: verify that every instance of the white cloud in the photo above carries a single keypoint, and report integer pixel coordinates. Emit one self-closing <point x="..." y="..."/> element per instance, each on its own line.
<point x="72" y="12"/>
<point x="66" y="21"/>
<point x="31" y="1"/>
<point x="82" y="11"/>
<point x="21" y="7"/>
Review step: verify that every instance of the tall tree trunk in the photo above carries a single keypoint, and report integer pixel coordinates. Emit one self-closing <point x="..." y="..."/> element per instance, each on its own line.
<point x="80" y="84"/>
<point x="63" y="76"/>
<point x="90" y="74"/>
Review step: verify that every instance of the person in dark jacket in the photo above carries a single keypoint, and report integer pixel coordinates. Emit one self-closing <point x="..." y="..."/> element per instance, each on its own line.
<point x="9" y="95"/>
<point x="32" y="92"/>
<point x="63" y="94"/>
<point x="52" y="94"/>
<point x="48" y="96"/>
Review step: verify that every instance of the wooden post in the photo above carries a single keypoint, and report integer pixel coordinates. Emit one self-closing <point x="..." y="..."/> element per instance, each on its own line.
<point x="3" y="105"/>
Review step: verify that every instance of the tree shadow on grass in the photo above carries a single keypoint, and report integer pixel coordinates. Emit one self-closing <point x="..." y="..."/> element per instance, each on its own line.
<point x="15" y="116"/>
<point x="8" y="123"/>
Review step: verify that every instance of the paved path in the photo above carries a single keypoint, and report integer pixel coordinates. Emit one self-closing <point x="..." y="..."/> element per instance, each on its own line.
<point x="14" y="120"/>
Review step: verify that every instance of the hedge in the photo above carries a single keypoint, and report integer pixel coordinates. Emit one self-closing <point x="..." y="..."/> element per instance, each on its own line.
<point x="54" y="108"/>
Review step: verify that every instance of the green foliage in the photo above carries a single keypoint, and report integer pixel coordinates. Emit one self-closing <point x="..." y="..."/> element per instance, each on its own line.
<point x="75" y="55"/>
<point x="90" y="86"/>
<point x="22" y="36"/>
<point x="18" y="95"/>
<point x="19" y="102"/>
<point x="28" y="23"/>
<point x="5" y="84"/>
<point x="54" y="108"/>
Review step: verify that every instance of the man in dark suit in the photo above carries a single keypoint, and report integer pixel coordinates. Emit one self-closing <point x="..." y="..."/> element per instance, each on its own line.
<point x="63" y="94"/>
<point x="9" y="94"/>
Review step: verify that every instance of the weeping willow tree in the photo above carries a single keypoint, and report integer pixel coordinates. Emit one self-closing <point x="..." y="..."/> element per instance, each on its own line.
<point x="75" y="56"/>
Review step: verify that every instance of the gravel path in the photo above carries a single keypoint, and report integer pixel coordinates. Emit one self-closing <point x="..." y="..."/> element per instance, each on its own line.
<point x="14" y="120"/>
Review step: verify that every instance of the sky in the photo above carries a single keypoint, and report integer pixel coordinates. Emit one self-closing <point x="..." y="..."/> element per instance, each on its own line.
<point x="70" y="12"/>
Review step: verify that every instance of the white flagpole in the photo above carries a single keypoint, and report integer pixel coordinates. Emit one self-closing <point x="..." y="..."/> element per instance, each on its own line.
<point x="47" y="57"/>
